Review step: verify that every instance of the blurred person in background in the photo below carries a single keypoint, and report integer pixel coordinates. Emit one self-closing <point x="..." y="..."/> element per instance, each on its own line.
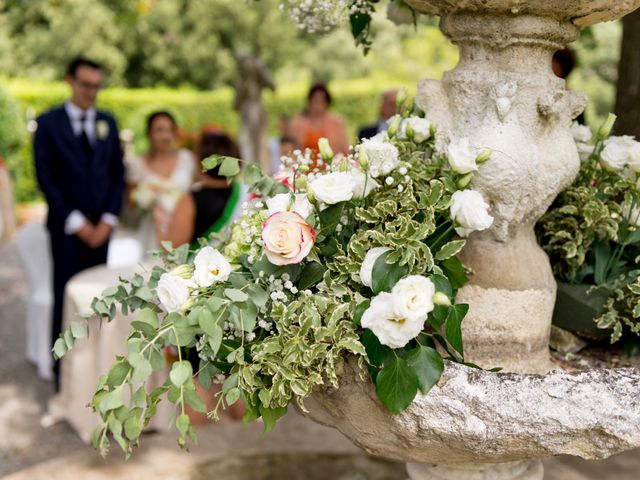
<point x="208" y="207"/>
<point x="317" y="121"/>
<point x="7" y="208"/>
<point x="158" y="178"/>
<point x="79" y="167"/>
<point x="387" y="110"/>
<point x="283" y="144"/>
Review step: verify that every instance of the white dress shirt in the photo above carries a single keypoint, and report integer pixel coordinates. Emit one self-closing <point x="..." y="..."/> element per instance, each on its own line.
<point x="76" y="220"/>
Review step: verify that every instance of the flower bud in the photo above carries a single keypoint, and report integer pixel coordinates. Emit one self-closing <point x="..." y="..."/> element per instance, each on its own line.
<point x="607" y="126"/>
<point x="363" y="158"/>
<point x="464" y="181"/>
<point x="440" y="298"/>
<point x="303" y="168"/>
<point x="409" y="131"/>
<point x="394" y="125"/>
<point x="310" y="196"/>
<point x="325" y="149"/>
<point x="301" y="182"/>
<point x="183" y="271"/>
<point x="344" y="166"/>
<point x="484" y="156"/>
<point x="401" y="97"/>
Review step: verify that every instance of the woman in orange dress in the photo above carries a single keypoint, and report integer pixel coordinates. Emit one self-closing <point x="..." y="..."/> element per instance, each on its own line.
<point x="316" y="121"/>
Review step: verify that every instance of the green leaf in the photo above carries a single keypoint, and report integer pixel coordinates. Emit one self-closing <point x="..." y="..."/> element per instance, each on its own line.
<point x="59" y="348"/>
<point x="397" y="385"/>
<point x="112" y="400"/>
<point x="438" y="316"/>
<point x="207" y="322"/>
<point x="141" y="367"/>
<point x="118" y="373"/>
<point x="194" y="400"/>
<point x="603" y="254"/>
<point x="442" y="284"/>
<point x="453" y="330"/>
<point x="79" y="329"/>
<point x="258" y="295"/>
<point x="252" y="174"/>
<point x="229" y="167"/>
<point x="214" y="303"/>
<point x="148" y="330"/>
<point x="232" y="396"/>
<point x="270" y="416"/>
<point x="428" y="365"/>
<point x="209" y="163"/>
<point x="453" y="269"/>
<point x="235" y="295"/>
<point x="311" y="274"/>
<point x="182" y="423"/>
<point x="450" y="249"/>
<point x="149" y="316"/>
<point x="376" y="352"/>
<point x="329" y="217"/>
<point x="180" y="373"/>
<point x="132" y="427"/>
<point x="360" y="309"/>
<point x="384" y="275"/>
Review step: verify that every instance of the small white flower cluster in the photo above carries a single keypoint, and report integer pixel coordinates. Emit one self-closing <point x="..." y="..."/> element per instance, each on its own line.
<point x="322" y="15"/>
<point x="620" y="152"/>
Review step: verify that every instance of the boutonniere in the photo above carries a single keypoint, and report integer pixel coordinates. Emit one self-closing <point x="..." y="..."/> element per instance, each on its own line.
<point x="102" y="129"/>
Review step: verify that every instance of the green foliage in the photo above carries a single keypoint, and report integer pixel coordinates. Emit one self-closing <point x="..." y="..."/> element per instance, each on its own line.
<point x="592" y="237"/>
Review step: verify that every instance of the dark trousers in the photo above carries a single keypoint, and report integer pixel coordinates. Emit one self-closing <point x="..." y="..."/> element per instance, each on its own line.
<point x="70" y="256"/>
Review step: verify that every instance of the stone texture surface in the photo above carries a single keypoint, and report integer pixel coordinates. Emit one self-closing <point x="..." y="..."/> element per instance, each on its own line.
<point x="524" y="470"/>
<point x="564" y="341"/>
<point x="473" y="416"/>
<point x="580" y="12"/>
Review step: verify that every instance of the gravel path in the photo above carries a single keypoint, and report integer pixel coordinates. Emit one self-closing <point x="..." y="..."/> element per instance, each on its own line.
<point x="23" y="396"/>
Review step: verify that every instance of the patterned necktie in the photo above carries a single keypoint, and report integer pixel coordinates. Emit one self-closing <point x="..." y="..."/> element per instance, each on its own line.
<point x="84" y="138"/>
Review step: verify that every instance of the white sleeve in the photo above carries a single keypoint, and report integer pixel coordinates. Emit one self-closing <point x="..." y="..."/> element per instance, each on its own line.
<point x="74" y="222"/>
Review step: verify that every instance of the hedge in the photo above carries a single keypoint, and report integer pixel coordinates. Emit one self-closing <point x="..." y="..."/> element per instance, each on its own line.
<point x="356" y="100"/>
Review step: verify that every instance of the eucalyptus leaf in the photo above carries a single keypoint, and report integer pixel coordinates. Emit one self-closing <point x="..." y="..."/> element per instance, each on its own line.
<point x="235" y="295"/>
<point x="180" y="373"/>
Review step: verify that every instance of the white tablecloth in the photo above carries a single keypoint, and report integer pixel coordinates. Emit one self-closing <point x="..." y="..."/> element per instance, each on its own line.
<point x="93" y="356"/>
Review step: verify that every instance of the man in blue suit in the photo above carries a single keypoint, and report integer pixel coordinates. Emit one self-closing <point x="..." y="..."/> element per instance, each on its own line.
<point x="79" y="167"/>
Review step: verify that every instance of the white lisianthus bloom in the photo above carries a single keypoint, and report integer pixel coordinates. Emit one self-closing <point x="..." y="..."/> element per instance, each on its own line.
<point x="366" y="269"/>
<point x="210" y="267"/>
<point x="580" y="133"/>
<point x="391" y="330"/>
<point x="413" y="297"/>
<point x="361" y="181"/>
<point x="470" y="212"/>
<point x="419" y="127"/>
<point x="173" y="292"/>
<point x="383" y="156"/>
<point x="333" y="187"/>
<point x="633" y="159"/>
<point x="618" y="152"/>
<point x="631" y="214"/>
<point x="462" y="157"/>
<point x="282" y="203"/>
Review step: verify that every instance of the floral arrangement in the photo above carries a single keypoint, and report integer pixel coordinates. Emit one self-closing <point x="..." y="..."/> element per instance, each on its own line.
<point x="354" y="259"/>
<point x="323" y="15"/>
<point x="156" y="191"/>
<point x="592" y="231"/>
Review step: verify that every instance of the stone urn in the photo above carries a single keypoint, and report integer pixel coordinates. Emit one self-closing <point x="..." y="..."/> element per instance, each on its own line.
<point x="475" y="424"/>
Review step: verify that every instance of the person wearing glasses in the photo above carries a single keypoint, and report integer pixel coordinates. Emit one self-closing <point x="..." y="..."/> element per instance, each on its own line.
<point x="79" y="167"/>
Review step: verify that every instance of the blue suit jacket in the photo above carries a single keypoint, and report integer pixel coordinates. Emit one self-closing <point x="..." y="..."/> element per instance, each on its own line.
<point x="70" y="178"/>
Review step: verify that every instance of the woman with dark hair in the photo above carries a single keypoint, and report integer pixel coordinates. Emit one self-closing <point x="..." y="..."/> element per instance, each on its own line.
<point x="317" y="121"/>
<point x="160" y="176"/>
<point x="209" y="206"/>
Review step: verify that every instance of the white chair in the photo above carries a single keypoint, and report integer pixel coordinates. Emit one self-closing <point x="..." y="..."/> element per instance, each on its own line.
<point x="35" y="253"/>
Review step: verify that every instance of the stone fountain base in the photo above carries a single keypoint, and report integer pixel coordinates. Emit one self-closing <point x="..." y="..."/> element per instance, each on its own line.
<point x="479" y="425"/>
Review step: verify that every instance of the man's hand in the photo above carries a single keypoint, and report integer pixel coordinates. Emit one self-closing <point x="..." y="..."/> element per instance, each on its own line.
<point x="100" y="235"/>
<point x="86" y="233"/>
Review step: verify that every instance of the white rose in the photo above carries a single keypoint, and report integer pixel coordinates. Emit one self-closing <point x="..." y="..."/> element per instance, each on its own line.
<point x="421" y="128"/>
<point x="173" y="292"/>
<point x="618" y="152"/>
<point x="391" y="330"/>
<point x="333" y="187"/>
<point x="633" y="158"/>
<point x="282" y="203"/>
<point x="580" y="133"/>
<point x="383" y="156"/>
<point x="366" y="269"/>
<point x="413" y="297"/>
<point x="462" y="157"/>
<point x="470" y="212"/>
<point x="210" y="267"/>
<point x="631" y="214"/>
<point x="360" y="182"/>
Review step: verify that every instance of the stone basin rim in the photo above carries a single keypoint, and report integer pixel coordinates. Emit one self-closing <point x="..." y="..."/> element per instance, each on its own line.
<point x="581" y="13"/>
<point x="483" y="417"/>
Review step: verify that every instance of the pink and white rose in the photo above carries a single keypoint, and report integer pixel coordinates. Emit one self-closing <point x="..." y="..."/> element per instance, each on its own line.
<point x="287" y="238"/>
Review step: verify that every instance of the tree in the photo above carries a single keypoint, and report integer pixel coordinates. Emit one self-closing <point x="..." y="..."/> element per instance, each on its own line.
<point x="628" y="93"/>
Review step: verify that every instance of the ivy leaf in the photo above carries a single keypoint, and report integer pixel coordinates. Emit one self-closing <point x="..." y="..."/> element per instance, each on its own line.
<point x="311" y="274"/>
<point x="397" y="385"/>
<point x="329" y="218"/>
<point x="180" y="373"/>
<point x="450" y="249"/>
<point x="375" y="350"/>
<point x="453" y="328"/>
<point x="442" y="284"/>
<point x="384" y="275"/>
<point x="360" y="309"/>
<point x="454" y="271"/>
<point x="428" y="365"/>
